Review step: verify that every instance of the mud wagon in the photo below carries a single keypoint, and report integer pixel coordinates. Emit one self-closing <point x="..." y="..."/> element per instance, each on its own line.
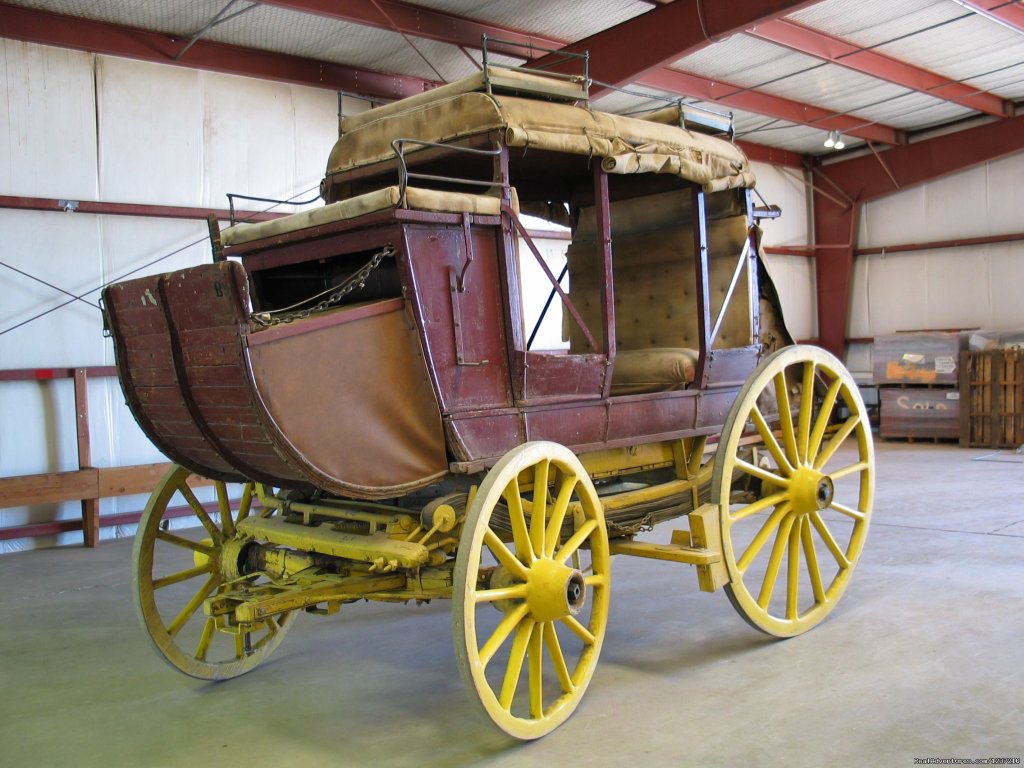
<point x="365" y="371"/>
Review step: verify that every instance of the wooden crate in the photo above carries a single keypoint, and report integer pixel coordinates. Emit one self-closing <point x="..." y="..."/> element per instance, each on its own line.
<point x="992" y="415"/>
<point x="916" y="358"/>
<point x="917" y="412"/>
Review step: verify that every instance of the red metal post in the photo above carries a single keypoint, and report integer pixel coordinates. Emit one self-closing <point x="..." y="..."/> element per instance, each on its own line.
<point x="834" y="232"/>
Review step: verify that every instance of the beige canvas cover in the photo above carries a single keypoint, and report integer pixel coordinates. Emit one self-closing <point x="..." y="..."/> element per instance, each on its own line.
<point x="624" y="144"/>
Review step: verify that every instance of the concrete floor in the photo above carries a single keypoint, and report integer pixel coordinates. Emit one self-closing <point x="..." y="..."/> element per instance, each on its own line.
<point x="924" y="657"/>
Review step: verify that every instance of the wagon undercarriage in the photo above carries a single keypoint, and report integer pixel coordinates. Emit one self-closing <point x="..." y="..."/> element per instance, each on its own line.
<point x="776" y="514"/>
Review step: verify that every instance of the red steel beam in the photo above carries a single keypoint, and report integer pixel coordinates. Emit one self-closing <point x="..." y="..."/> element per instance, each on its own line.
<point x="761" y="103"/>
<point x="925" y="160"/>
<point x="771" y="155"/>
<point x="664" y="34"/>
<point x="97" y="37"/>
<point x="838" y="51"/>
<point x="1008" y="13"/>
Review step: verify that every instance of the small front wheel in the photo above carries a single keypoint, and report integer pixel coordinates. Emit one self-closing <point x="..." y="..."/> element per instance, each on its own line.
<point x="794" y="518"/>
<point x="531" y="589"/>
<point x="177" y="569"/>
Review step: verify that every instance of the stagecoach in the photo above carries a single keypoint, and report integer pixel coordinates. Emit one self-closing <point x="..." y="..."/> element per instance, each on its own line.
<point x="362" y="384"/>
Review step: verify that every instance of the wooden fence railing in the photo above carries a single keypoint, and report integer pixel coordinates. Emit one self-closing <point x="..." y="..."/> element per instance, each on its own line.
<point x="87" y="484"/>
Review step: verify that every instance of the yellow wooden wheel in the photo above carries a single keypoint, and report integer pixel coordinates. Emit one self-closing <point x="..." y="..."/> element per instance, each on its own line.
<point x="177" y="568"/>
<point x="534" y="607"/>
<point x="810" y="505"/>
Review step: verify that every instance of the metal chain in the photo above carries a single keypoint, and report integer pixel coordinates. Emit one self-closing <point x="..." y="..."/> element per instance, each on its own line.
<point x="338" y="292"/>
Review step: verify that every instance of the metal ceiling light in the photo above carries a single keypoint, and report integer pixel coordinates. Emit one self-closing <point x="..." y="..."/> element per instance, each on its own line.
<point x="839" y="143"/>
<point x="830" y="140"/>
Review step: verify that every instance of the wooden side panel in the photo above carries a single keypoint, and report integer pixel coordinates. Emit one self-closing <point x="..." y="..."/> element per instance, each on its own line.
<point x="145" y="363"/>
<point x="208" y="314"/>
<point x="456" y="288"/>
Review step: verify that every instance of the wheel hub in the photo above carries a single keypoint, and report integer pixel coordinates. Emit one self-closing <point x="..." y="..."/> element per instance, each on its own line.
<point x="810" y="490"/>
<point x="555" y="591"/>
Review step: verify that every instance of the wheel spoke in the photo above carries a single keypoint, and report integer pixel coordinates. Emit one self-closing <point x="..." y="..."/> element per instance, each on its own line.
<point x="849" y="512"/>
<point x="759" y="506"/>
<point x="557" y="658"/>
<point x="813" y="570"/>
<point x="536" y="673"/>
<point x="774" y="563"/>
<point x="539" y="508"/>
<point x="824" y="416"/>
<point x="520" y="533"/>
<point x="806" y="409"/>
<point x="576" y="540"/>
<point x="524" y="631"/>
<point x="762" y="536"/>
<point x="793" y="571"/>
<point x="180" y="576"/>
<point x="786" y="418"/>
<point x="558" y="510"/>
<point x="227" y="524"/>
<point x="579" y="630"/>
<point x="514" y="592"/>
<point x="200" y="512"/>
<point x="501" y="633"/>
<point x="595" y="579"/>
<point x="504" y="556"/>
<point x="769" y="441"/>
<point x="829" y="540"/>
<point x="860" y="466"/>
<point x="193" y="605"/>
<point x="762" y="473"/>
<point x="245" y="503"/>
<point x="835" y="441"/>
<point x="204" y="639"/>
<point x="179" y="541"/>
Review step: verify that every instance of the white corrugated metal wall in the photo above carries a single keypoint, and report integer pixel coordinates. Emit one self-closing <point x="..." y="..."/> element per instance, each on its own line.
<point x="77" y="126"/>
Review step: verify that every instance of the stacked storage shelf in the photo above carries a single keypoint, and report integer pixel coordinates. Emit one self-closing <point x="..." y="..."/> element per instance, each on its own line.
<point x="917" y="377"/>
<point x="992" y="415"/>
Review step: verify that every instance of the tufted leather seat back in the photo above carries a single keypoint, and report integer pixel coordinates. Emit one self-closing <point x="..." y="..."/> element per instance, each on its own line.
<point x="654" y="274"/>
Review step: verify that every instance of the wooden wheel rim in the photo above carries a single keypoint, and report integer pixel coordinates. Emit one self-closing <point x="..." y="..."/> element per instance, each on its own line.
<point x="799" y="492"/>
<point x="532" y="614"/>
<point x="162" y="631"/>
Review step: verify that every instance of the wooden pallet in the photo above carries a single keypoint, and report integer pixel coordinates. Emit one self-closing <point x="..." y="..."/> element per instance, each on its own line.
<point x="992" y="387"/>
